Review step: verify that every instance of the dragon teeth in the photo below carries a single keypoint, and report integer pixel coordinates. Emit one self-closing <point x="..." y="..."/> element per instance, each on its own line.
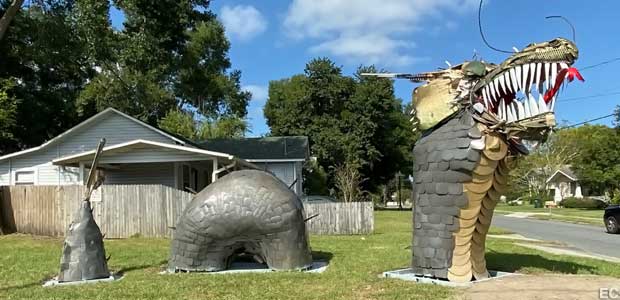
<point x="532" y="104"/>
<point x="526" y="69"/>
<point x="520" y="109"/>
<point x="510" y="117"/>
<point x="563" y="65"/>
<point x="533" y="74"/>
<point x="513" y="79"/>
<point x="547" y="75"/>
<point x="554" y="73"/>
<point x="542" y="106"/>
<point x="518" y="73"/>
<point x="507" y="79"/>
<point x="496" y="85"/>
<point x="526" y="107"/>
<point x="501" y="110"/>
<point x="538" y="74"/>
<point x="500" y="79"/>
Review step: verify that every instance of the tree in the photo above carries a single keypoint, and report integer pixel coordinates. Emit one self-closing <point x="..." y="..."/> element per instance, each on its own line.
<point x="597" y="163"/>
<point x="348" y="182"/>
<point x="8" y="108"/>
<point x="47" y="63"/>
<point x="185" y="124"/>
<point x="532" y="171"/>
<point x="8" y="16"/>
<point x="67" y="63"/>
<point x="617" y="116"/>
<point x="354" y="121"/>
<point x="169" y="54"/>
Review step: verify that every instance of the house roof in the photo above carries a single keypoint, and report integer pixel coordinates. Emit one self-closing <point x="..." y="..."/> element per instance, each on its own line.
<point x="566" y="171"/>
<point x="88" y="121"/>
<point x="278" y="148"/>
<point x="136" y="144"/>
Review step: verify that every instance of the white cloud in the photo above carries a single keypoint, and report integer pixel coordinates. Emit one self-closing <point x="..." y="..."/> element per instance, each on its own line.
<point x="368" y="31"/>
<point x="242" y="22"/>
<point x="259" y="92"/>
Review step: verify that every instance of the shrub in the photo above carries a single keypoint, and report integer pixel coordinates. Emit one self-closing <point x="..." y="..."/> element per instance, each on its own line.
<point x="572" y="202"/>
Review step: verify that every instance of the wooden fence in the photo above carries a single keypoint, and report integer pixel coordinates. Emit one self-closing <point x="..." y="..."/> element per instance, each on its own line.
<point x="120" y="210"/>
<point x="146" y="210"/>
<point x="340" y="218"/>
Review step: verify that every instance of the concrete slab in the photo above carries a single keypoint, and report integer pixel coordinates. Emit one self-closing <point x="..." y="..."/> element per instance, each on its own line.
<point x="512" y="236"/>
<point x="318" y="266"/>
<point x="408" y="275"/>
<point x="54" y="281"/>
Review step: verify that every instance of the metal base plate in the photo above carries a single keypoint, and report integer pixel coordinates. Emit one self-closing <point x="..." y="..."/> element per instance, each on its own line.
<point x="54" y="281"/>
<point x="407" y="274"/>
<point x="254" y="267"/>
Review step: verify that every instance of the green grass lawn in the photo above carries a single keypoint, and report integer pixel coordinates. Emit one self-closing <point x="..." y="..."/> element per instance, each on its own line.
<point x="355" y="264"/>
<point x="573" y="215"/>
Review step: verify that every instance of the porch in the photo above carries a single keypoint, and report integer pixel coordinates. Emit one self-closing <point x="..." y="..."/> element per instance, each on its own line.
<point x="148" y="162"/>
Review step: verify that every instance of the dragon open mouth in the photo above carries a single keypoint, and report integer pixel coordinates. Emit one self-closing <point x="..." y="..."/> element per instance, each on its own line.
<point x="525" y="91"/>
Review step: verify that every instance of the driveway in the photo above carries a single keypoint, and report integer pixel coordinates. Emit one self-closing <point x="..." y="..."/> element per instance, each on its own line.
<point x="589" y="238"/>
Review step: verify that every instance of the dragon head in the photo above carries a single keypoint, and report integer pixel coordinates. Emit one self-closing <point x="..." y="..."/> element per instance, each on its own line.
<point x="516" y="97"/>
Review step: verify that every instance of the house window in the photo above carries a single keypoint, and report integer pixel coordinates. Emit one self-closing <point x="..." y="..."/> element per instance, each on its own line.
<point x="24" y="177"/>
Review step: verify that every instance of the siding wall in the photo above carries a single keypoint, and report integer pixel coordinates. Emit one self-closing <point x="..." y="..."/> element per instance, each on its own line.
<point x="142" y="174"/>
<point x="113" y="127"/>
<point x="287" y="172"/>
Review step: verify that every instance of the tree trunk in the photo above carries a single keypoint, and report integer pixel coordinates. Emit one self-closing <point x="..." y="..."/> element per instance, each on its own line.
<point x="9" y="15"/>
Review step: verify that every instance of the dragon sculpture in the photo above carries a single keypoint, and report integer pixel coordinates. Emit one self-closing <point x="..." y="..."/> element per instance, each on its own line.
<point x="476" y="119"/>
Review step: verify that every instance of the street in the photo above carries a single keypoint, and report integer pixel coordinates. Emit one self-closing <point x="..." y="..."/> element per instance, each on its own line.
<point x="589" y="238"/>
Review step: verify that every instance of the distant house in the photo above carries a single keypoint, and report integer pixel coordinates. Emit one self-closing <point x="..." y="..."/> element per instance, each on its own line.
<point x="135" y="153"/>
<point x="563" y="183"/>
<point x="283" y="156"/>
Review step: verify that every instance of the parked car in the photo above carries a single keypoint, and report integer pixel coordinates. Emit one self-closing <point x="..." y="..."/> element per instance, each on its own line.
<point x="318" y="199"/>
<point x="611" y="218"/>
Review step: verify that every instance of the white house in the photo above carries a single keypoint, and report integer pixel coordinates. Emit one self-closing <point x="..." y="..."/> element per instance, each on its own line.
<point x="135" y="153"/>
<point x="563" y="183"/>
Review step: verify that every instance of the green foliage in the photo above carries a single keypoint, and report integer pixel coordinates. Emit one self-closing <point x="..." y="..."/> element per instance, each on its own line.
<point x="180" y="123"/>
<point x="597" y="163"/>
<point x="224" y="127"/>
<point x="184" y="123"/>
<point x="315" y="179"/>
<point x="572" y="202"/>
<point x="8" y="109"/>
<point x="70" y="63"/>
<point x="617" y="116"/>
<point x="42" y="52"/>
<point x="349" y="120"/>
<point x="542" y="198"/>
<point x="532" y="171"/>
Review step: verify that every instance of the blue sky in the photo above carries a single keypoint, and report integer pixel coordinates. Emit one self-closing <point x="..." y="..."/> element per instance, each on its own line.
<point x="271" y="40"/>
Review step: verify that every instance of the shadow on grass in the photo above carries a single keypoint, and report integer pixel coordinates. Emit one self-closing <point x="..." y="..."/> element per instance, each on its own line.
<point x="322" y="255"/>
<point x="511" y="262"/>
<point x="124" y="270"/>
<point x="20" y="286"/>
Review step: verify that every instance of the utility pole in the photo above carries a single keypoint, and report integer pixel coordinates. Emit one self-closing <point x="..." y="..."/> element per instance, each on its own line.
<point x="400" y="200"/>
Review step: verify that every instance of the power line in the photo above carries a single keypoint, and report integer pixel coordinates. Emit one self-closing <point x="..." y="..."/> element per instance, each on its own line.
<point x="587" y="97"/>
<point x="600" y="64"/>
<point x="588" y="121"/>
<point x="482" y="33"/>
